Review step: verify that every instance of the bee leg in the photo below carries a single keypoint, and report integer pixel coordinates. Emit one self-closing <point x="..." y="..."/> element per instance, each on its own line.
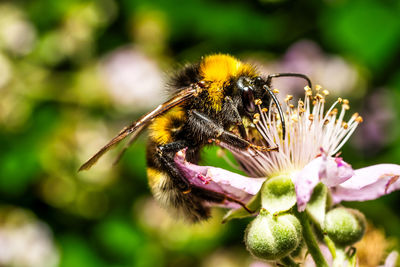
<point x="211" y="130"/>
<point x="230" y="108"/>
<point x="165" y="154"/>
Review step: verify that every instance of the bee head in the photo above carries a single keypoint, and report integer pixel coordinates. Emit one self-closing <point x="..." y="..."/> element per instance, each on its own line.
<point x="249" y="89"/>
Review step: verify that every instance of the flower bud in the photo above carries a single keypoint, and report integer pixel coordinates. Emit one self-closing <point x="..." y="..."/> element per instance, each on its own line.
<point x="278" y="194"/>
<point x="344" y="226"/>
<point x="273" y="237"/>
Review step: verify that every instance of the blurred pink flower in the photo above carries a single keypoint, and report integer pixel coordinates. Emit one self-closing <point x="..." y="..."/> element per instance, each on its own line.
<point x="134" y="81"/>
<point x="307" y="57"/>
<point x="25" y="241"/>
<point x="373" y="135"/>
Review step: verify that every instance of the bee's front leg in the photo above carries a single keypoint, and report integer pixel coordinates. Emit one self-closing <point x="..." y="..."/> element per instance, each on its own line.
<point x="232" y="114"/>
<point x="206" y="128"/>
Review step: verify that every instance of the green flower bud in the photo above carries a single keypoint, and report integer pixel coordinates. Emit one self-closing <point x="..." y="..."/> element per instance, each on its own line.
<point x="344" y="226"/>
<point x="278" y="194"/>
<point x="273" y="237"/>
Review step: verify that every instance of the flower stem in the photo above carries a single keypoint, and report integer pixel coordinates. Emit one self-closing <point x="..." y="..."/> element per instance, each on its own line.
<point x="288" y="261"/>
<point x="340" y="258"/>
<point x="310" y="240"/>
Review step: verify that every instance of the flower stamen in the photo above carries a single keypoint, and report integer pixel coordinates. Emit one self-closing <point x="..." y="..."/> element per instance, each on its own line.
<point x="309" y="128"/>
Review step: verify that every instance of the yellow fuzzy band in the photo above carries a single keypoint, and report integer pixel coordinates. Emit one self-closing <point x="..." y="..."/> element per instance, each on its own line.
<point x="162" y="126"/>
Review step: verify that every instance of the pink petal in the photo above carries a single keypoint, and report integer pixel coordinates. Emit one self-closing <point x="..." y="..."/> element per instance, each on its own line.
<point x="368" y="183"/>
<point x="336" y="171"/>
<point x="391" y="259"/>
<point x="305" y="181"/>
<point x="328" y="170"/>
<point x="218" y="180"/>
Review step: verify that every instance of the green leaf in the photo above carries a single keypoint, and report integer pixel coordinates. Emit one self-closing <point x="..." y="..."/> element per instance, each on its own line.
<point x="316" y="207"/>
<point x="253" y="205"/>
<point x="278" y="194"/>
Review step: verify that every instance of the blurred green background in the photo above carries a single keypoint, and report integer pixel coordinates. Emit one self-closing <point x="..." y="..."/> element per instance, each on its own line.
<point x="74" y="72"/>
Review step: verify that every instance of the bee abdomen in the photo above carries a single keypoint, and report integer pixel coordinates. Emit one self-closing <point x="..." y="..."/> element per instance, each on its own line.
<point x="168" y="195"/>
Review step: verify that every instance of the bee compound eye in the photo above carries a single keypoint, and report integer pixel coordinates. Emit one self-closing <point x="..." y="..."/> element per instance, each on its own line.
<point x="248" y="99"/>
<point x="258" y="80"/>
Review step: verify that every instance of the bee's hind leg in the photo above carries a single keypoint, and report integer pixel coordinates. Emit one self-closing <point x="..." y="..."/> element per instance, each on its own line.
<point x="165" y="154"/>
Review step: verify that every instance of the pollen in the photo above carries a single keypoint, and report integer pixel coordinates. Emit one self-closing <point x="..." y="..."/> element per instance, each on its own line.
<point x="258" y="102"/>
<point x="333" y="112"/>
<point x="288" y="98"/>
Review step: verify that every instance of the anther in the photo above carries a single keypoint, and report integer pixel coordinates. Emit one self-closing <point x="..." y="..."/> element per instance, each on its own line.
<point x="258" y="102"/>
<point x="291" y="106"/>
<point x="359" y="119"/>
<point x="333" y="113"/>
<point x="340" y="100"/>
<point x="288" y="98"/>
<point x="311" y="117"/>
<point x="264" y="110"/>
<point x="318" y="87"/>
<point x="325" y="92"/>
<point x="275" y="91"/>
<point x="256" y="116"/>
<point x="345" y="125"/>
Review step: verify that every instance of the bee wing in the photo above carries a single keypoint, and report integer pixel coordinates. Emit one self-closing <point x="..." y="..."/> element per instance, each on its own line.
<point x="137" y="126"/>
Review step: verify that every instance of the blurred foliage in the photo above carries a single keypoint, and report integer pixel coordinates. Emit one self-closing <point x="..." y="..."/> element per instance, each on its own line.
<point x="73" y="72"/>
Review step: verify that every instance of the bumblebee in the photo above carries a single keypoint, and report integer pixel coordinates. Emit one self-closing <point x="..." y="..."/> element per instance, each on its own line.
<point x="211" y="101"/>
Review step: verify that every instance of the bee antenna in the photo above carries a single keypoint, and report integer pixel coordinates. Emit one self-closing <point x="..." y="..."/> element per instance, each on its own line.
<point x="278" y="106"/>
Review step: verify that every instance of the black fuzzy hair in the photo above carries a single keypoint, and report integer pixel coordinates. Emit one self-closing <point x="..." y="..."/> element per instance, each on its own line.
<point x="189" y="74"/>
